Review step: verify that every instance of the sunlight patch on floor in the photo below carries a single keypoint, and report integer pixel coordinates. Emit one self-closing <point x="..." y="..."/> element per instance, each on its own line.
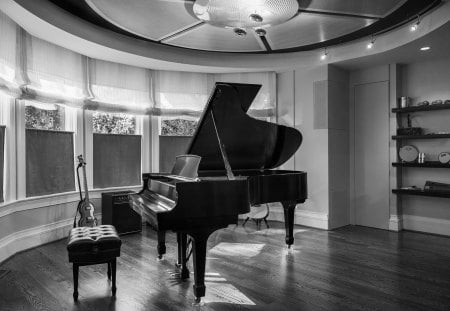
<point x="246" y="250"/>
<point x="275" y="231"/>
<point x="220" y="291"/>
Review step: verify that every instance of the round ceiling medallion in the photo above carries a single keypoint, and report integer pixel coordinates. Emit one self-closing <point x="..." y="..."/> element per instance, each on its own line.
<point x="245" y="13"/>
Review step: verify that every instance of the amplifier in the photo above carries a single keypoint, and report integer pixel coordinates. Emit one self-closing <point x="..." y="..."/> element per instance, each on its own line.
<point x="116" y="211"/>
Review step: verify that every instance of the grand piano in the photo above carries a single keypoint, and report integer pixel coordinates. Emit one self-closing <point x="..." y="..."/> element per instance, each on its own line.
<point x="238" y="154"/>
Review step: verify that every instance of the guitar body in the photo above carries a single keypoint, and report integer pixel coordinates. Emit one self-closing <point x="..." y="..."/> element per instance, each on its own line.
<point x="85" y="207"/>
<point x="86" y="210"/>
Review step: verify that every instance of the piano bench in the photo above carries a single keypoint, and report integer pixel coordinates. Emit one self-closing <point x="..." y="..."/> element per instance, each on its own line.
<point x="92" y="246"/>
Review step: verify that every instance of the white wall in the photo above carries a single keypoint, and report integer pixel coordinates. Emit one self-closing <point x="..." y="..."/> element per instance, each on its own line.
<point x="315" y="101"/>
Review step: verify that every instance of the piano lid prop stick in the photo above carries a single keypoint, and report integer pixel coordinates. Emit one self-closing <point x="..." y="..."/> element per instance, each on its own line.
<point x="230" y="174"/>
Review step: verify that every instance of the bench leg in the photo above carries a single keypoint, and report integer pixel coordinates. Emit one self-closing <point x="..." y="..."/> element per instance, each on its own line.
<point x="75" y="281"/>
<point x="109" y="271"/>
<point x="113" y="272"/>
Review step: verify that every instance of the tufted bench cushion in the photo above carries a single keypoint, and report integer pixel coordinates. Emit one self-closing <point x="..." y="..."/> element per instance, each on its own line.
<point x="88" y="244"/>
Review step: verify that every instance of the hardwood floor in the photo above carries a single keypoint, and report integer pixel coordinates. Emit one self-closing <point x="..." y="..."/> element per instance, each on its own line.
<point x="352" y="268"/>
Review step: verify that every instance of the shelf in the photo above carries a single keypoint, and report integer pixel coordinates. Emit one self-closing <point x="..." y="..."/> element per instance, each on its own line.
<point x="429" y="193"/>
<point x="435" y="164"/>
<point x="421" y="108"/>
<point x="427" y="136"/>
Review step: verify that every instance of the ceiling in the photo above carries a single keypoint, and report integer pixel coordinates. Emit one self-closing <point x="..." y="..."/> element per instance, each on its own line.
<point x="438" y="41"/>
<point x="317" y="24"/>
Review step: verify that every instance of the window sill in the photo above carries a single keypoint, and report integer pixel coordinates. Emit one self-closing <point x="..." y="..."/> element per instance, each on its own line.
<point x="54" y="199"/>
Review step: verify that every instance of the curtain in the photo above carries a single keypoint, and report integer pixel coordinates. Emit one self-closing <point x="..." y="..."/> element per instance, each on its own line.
<point x="54" y="74"/>
<point x="181" y="93"/>
<point x="119" y="88"/>
<point x="2" y="159"/>
<point x="8" y="52"/>
<point x="186" y="93"/>
<point x="264" y="104"/>
<point x="117" y="160"/>
<point x="49" y="162"/>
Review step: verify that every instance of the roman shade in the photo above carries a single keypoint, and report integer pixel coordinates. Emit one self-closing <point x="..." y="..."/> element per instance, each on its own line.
<point x="118" y="88"/>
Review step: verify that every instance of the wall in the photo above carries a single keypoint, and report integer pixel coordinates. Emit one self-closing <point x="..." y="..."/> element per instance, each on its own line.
<point x="315" y="101"/>
<point x="429" y="80"/>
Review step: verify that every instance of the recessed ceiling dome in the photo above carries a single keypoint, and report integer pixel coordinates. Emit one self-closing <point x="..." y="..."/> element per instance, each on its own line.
<point x="245" y="13"/>
<point x="248" y="26"/>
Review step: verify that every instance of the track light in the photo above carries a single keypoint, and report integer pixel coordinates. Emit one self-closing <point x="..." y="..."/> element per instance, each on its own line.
<point x="324" y="55"/>
<point x="415" y="26"/>
<point x="371" y="43"/>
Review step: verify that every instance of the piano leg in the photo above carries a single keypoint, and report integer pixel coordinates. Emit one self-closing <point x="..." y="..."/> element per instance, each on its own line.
<point x="182" y="255"/>
<point x="161" y="244"/>
<point x="289" y="212"/>
<point x="199" y="242"/>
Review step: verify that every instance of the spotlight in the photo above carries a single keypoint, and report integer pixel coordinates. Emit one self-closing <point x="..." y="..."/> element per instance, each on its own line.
<point x="260" y="32"/>
<point x="324" y="55"/>
<point x="415" y="26"/>
<point x="425" y="48"/>
<point x="240" y="32"/>
<point x="256" y="18"/>
<point x="371" y="43"/>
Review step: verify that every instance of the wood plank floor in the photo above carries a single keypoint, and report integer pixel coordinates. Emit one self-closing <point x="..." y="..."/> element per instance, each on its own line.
<point x="352" y="268"/>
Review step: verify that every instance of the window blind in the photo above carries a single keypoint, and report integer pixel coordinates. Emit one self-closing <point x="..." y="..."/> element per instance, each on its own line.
<point x="2" y="159"/>
<point x="50" y="162"/>
<point x="117" y="160"/>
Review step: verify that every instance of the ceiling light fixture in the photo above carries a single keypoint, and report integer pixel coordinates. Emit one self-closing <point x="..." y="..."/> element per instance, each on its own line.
<point x="415" y="26"/>
<point x="425" y="48"/>
<point x="324" y="55"/>
<point x="260" y="32"/>
<point x="371" y="43"/>
<point x="245" y="14"/>
<point x="240" y="32"/>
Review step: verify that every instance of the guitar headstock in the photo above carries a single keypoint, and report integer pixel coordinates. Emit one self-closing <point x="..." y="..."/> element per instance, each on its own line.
<point x="81" y="160"/>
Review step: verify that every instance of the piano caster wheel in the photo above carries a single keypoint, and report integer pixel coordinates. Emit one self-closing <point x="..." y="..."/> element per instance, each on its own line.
<point x="160" y="258"/>
<point x="198" y="302"/>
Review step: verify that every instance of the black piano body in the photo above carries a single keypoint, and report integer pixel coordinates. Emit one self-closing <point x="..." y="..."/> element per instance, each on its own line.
<point x="238" y="154"/>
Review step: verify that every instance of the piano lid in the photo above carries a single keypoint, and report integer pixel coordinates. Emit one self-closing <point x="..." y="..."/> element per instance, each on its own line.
<point x="249" y="143"/>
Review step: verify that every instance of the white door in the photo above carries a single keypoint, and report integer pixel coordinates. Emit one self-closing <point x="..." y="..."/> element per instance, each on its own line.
<point x="372" y="155"/>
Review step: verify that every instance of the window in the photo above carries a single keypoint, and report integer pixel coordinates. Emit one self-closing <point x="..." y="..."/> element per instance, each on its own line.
<point x="178" y="127"/>
<point x="117" y="151"/>
<point x="113" y="123"/>
<point x="49" y="150"/>
<point x="44" y="116"/>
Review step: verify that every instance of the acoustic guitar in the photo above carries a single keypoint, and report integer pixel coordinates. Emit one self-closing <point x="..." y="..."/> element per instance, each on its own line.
<point x="85" y="207"/>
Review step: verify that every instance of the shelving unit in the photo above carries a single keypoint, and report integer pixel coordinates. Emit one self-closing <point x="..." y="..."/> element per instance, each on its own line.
<point x="421" y="108"/>
<point x="429" y="164"/>
<point x="426" y="193"/>
<point x="426" y="136"/>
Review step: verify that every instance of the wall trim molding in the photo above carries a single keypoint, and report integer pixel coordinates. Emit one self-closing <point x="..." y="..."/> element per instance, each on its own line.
<point x="396" y="223"/>
<point x="426" y="224"/>
<point x="28" y="238"/>
<point x="36" y="236"/>
<point x="303" y="218"/>
<point x="54" y="199"/>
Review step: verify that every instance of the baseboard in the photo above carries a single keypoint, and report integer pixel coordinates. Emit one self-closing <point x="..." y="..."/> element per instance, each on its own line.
<point x="426" y="224"/>
<point x="29" y="238"/>
<point x="396" y="223"/>
<point x="303" y="218"/>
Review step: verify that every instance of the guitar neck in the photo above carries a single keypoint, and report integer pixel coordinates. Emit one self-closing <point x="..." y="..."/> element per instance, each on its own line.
<point x="86" y="192"/>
